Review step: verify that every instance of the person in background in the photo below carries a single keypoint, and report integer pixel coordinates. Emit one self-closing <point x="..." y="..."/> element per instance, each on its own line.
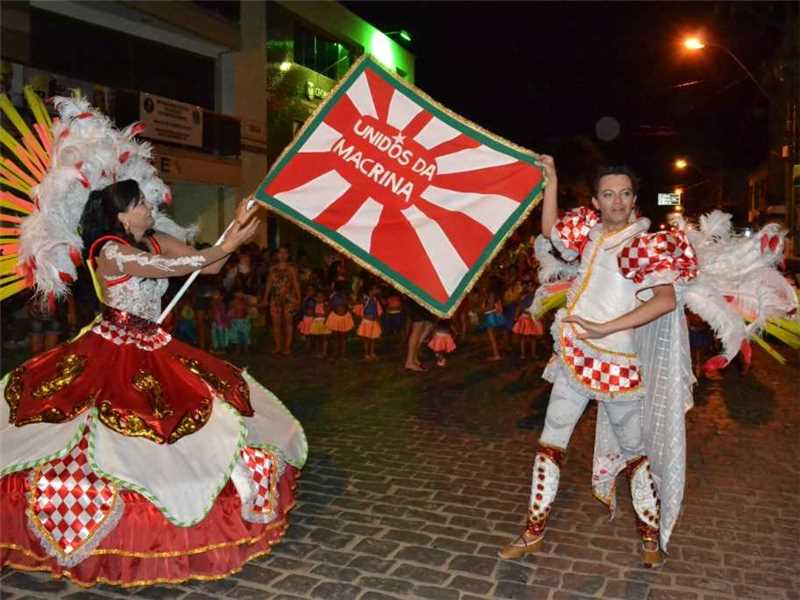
<point x="526" y="327"/>
<point x="340" y="320"/>
<point x="282" y="295"/>
<point x="512" y="294"/>
<point x="370" y="329"/>
<point x="393" y="319"/>
<point x="220" y="324"/>
<point x="319" y="331"/>
<point x="421" y="325"/>
<point x="185" y="322"/>
<point x="240" y="326"/>
<point x="307" y="319"/>
<point x="442" y="342"/>
<point x="493" y="319"/>
<point x="45" y="326"/>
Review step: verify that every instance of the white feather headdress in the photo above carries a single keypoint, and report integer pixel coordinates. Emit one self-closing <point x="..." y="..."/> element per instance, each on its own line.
<point x="88" y="153"/>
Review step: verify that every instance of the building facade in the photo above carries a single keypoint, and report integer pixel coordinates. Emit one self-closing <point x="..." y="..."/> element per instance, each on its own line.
<point x="221" y="86"/>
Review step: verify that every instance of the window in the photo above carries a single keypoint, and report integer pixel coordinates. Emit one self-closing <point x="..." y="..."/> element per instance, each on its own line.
<point x="322" y="55"/>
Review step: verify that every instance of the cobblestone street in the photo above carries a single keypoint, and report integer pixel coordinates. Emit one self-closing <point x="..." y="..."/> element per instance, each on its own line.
<point x="414" y="480"/>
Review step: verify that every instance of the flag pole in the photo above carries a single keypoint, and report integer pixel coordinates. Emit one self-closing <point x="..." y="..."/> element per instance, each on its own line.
<point x="195" y="274"/>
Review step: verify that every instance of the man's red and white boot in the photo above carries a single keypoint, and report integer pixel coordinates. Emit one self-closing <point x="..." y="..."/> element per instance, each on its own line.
<point x="544" y="486"/>
<point x="647" y="507"/>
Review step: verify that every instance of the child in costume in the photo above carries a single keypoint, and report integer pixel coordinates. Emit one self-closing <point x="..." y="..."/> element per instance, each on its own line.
<point x="307" y="318"/>
<point x="493" y="319"/>
<point x="512" y="294"/>
<point x="370" y="328"/>
<point x="441" y="342"/>
<point x="185" y="327"/>
<point x="319" y="331"/>
<point x="525" y="325"/>
<point x="127" y="456"/>
<point x="240" y="325"/>
<point x="220" y="324"/>
<point x="394" y="320"/>
<point x="340" y="321"/>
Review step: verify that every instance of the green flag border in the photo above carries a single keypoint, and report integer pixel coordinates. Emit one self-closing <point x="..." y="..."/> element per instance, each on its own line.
<point x="356" y="253"/>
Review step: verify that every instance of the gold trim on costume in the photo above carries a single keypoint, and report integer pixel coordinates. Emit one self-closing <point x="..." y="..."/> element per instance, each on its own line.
<point x="34" y="519"/>
<point x="608" y="501"/>
<point x="216" y="382"/>
<point x="55" y="415"/>
<point x="69" y="368"/>
<point x="580" y="381"/>
<point x="131" y="425"/>
<point x="13" y="392"/>
<point x="284" y="521"/>
<point x="151" y="387"/>
<point x="191" y="422"/>
<point x="582" y="288"/>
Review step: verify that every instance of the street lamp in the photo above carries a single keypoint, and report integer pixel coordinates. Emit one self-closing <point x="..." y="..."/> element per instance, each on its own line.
<point x="681" y="164"/>
<point x="695" y="43"/>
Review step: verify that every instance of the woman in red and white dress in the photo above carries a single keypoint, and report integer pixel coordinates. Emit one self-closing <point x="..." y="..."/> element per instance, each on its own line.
<point x="128" y="457"/>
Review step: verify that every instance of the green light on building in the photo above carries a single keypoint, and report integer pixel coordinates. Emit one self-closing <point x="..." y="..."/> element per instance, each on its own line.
<point x="380" y="47"/>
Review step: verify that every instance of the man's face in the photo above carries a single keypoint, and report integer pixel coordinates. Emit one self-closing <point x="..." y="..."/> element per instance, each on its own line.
<point x="615" y="199"/>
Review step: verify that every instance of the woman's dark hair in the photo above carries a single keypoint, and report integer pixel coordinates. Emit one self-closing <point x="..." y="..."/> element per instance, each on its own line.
<point x="100" y="215"/>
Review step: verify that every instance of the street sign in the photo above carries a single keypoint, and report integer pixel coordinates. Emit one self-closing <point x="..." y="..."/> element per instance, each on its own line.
<point x="669" y="199"/>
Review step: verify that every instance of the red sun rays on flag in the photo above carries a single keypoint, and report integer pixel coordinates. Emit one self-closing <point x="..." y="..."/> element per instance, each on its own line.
<point x="404" y="187"/>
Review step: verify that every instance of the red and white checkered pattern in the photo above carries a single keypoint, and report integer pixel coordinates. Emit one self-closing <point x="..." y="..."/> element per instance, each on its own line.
<point x="655" y="252"/>
<point x="261" y="466"/>
<point x="145" y="340"/>
<point x="597" y="374"/>
<point x="574" y="227"/>
<point x="70" y="502"/>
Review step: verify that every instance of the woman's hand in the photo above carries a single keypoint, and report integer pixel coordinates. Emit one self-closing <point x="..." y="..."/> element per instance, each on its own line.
<point x="243" y="215"/>
<point x="591" y="330"/>
<point x="239" y="233"/>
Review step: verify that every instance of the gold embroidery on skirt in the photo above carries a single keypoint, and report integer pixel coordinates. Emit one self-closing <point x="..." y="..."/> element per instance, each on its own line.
<point x="216" y="382"/>
<point x="151" y="387"/>
<point x="191" y="422"/>
<point x="131" y="425"/>
<point x="13" y="392"/>
<point x="69" y="368"/>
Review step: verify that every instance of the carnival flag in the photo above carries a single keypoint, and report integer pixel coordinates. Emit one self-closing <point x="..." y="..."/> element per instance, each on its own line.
<point x="409" y="190"/>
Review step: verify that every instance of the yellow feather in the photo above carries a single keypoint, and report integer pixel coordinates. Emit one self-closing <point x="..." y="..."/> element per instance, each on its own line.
<point x="769" y="349"/>
<point x="9" y="290"/>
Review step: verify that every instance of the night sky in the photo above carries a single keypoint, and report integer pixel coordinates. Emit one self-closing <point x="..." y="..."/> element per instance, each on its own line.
<point x="543" y="74"/>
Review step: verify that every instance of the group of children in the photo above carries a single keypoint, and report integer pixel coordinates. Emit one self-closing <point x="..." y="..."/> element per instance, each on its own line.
<point x="331" y="316"/>
<point x="335" y="307"/>
<point x="378" y="311"/>
<point x="506" y="309"/>
<point x="231" y="324"/>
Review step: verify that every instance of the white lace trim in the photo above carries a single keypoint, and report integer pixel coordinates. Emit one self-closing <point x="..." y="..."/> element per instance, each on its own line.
<point x="112" y="252"/>
<point x="138" y="296"/>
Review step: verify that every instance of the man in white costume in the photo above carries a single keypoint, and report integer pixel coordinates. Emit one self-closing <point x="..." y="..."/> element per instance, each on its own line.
<point x="626" y="279"/>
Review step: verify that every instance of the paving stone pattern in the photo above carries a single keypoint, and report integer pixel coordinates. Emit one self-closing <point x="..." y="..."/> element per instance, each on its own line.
<point x="414" y="480"/>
